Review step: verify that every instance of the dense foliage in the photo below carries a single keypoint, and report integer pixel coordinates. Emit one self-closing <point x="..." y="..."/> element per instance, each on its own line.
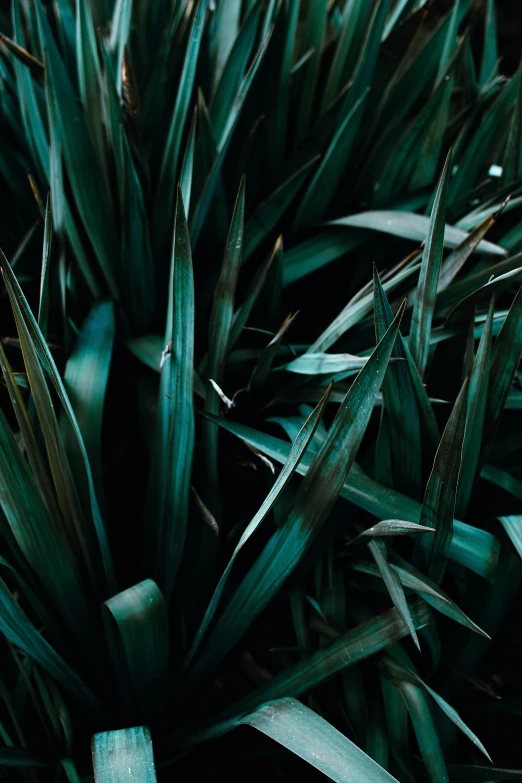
<point x="260" y="457"/>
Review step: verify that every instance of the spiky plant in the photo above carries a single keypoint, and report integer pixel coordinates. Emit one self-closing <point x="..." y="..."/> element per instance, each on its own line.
<point x="251" y="224"/>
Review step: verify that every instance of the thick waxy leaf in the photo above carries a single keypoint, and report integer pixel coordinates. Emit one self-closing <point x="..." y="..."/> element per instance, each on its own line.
<point x="168" y="495"/>
<point x="123" y="756"/>
<point x="139" y="643"/>
<point x="424" y="303"/>
<point x="315" y="499"/>
<point x="313" y="739"/>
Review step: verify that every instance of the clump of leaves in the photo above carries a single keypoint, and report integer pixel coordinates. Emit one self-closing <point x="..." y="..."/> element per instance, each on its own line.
<point x="259" y="435"/>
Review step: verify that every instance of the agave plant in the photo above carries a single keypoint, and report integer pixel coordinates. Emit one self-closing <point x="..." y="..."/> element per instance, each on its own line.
<point x="264" y="258"/>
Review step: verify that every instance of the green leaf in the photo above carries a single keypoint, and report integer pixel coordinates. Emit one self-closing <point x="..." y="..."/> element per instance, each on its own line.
<point x="325" y="363"/>
<point x="323" y="248"/>
<point x="506" y="356"/>
<point x="205" y="199"/>
<point x="331" y="170"/>
<point x="16" y="627"/>
<point x="301" y="443"/>
<point x="123" y="756"/>
<point x="267" y="355"/>
<point x="90" y="78"/>
<point x="404" y="673"/>
<point x="393" y="586"/>
<point x="187" y="165"/>
<point x="226" y="27"/>
<point x="313" y="739"/>
<point x="33" y="123"/>
<point x="138" y="635"/>
<point x="391" y="527"/>
<point x="257" y="283"/>
<point x="348" y="649"/>
<point x="138" y="265"/>
<point x="36" y="343"/>
<point x="39" y="535"/>
<point x="405" y="400"/>
<point x="513" y="527"/>
<point x="86" y="378"/>
<point x="425" y="731"/>
<point x="83" y="170"/>
<point x="148" y="349"/>
<point x="424" y="303"/>
<point x="359" y="306"/>
<point x="456" y="260"/>
<point x="233" y="73"/>
<point x="355" y="17"/>
<point x="413" y="580"/>
<point x="476" y="774"/>
<point x="218" y="341"/>
<point x="472" y="547"/>
<point x="168" y="494"/>
<point x="488" y="66"/>
<point x="438" y="507"/>
<point x="477" y="396"/>
<point x="269" y="212"/>
<point x="71" y="522"/>
<point x="409" y="225"/>
<point x="313" y="502"/>
<point x="24" y="757"/>
<point x="43" y="305"/>
<point x="120" y="31"/>
<point x="313" y="33"/>
<point x="169" y="165"/>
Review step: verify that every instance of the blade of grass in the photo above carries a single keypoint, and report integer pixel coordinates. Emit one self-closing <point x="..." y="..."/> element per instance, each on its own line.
<point x="316" y="741"/>
<point x="136" y="622"/>
<point x="438" y="507"/>
<point x="301" y="443"/>
<point x="123" y="756"/>
<point x="315" y="499"/>
<point x="424" y="304"/>
<point x="168" y="494"/>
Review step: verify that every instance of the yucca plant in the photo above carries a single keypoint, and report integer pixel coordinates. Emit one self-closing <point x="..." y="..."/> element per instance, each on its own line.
<point x="263" y="226"/>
